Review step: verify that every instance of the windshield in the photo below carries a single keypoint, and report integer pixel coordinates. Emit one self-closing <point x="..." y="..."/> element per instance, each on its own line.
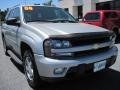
<point x="46" y="14"/>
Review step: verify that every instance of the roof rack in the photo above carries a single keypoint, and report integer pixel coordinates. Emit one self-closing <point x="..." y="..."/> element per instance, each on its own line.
<point x="15" y="6"/>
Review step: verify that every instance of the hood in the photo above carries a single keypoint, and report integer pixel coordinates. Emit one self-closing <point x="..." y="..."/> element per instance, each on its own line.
<point x="65" y="28"/>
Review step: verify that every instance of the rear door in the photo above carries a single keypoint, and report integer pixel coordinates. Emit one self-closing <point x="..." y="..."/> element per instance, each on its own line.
<point x="93" y="18"/>
<point x="111" y="19"/>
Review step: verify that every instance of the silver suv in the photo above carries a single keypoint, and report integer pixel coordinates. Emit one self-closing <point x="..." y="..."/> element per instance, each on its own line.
<point x="51" y="44"/>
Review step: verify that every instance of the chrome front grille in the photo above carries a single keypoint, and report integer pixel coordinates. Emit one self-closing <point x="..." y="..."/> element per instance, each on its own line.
<point x="86" y="44"/>
<point x="91" y="52"/>
<point x="89" y="41"/>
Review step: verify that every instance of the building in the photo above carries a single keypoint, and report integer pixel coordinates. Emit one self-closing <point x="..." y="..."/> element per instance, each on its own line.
<point x="78" y="8"/>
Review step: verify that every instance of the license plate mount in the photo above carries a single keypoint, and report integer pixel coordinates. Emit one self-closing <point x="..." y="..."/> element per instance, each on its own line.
<point x="99" y="66"/>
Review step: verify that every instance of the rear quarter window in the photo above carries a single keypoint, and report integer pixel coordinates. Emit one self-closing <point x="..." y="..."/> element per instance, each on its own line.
<point x="110" y="15"/>
<point x="92" y="16"/>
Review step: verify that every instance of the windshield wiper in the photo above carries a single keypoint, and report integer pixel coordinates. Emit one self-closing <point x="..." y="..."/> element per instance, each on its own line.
<point x="63" y="20"/>
<point x="39" y="21"/>
<point x="54" y="21"/>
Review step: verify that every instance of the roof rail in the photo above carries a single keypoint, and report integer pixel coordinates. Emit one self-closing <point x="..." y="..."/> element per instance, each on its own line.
<point x="15" y="6"/>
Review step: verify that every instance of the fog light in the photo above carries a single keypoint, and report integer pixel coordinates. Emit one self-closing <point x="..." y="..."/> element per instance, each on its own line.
<point x="59" y="70"/>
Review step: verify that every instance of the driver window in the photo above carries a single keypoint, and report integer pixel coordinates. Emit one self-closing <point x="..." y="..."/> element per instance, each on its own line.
<point x="16" y="13"/>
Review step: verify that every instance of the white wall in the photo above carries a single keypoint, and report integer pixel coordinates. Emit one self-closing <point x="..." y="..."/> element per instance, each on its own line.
<point x="78" y="2"/>
<point x="70" y="4"/>
<point x="75" y="11"/>
<point x="88" y="5"/>
<point x="66" y="3"/>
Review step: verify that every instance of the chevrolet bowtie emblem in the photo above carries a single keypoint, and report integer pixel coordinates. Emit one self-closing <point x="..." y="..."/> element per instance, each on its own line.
<point x="96" y="46"/>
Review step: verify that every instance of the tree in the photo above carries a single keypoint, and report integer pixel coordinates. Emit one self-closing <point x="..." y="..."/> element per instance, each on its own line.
<point x="2" y="15"/>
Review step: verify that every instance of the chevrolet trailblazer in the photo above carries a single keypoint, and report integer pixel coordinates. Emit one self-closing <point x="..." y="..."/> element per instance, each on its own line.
<point x="51" y="44"/>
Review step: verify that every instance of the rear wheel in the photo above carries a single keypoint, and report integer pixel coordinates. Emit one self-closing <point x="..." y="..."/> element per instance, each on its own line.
<point x="30" y="69"/>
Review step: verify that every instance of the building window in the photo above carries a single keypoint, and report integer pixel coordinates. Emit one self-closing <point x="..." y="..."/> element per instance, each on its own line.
<point x="105" y="5"/>
<point x="80" y="12"/>
<point x="110" y="15"/>
<point x="110" y="5"/>
<point x="66" y="9"/>
<point x="117" y="5"/>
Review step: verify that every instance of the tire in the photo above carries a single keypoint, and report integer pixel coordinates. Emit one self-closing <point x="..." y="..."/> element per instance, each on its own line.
<point x="5" y="47"/>
<point x="30" y="69"/>
<point x="116" y="34"/>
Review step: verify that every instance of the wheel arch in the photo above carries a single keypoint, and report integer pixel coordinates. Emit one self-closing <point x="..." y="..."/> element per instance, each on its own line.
<point x="24" y="46"/>
<point x="116" y="29"/>
<point x="28" y="42"/>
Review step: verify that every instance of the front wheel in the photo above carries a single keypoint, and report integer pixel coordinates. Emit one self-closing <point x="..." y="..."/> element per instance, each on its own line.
<point x="30" y="69"/>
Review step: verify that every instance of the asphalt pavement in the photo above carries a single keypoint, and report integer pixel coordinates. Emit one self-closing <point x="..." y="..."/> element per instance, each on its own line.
<point x="12" y="77"/>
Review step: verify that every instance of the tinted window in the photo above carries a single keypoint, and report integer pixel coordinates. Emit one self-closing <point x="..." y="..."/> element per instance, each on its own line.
<point x="17" y="13"/>
<point x="92" y="16"/>
<point x="110" y="14"/>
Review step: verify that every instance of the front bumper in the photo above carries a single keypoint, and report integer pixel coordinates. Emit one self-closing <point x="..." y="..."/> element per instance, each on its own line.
<point x="46" y="66"/>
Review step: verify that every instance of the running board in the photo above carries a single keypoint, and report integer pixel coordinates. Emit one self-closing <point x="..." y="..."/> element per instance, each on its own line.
<point x="14" y="57"/>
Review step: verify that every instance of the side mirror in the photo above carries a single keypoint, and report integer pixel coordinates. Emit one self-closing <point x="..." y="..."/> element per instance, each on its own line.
<point x="12" y="21"/>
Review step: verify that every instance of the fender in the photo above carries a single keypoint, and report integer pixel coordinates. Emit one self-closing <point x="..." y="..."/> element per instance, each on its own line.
<point x="35" y="44"/>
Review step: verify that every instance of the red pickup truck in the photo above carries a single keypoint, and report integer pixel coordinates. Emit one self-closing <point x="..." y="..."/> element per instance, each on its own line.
<point x="109" y="19"/>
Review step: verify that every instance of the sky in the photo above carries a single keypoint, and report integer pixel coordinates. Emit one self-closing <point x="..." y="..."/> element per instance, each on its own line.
<point x="10" y="3"/>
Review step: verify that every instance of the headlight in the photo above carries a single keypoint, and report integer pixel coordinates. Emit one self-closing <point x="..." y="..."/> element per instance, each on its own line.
<point x="56" y="44"/>
<point x="66" y="44"/>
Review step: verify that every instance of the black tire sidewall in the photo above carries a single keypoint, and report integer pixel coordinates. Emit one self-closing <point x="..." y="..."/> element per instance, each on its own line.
<point x="4" y="45"/>
<point x="35" y="82"/>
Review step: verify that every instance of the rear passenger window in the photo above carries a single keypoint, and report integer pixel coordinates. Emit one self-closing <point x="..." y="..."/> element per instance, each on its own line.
<point x="110" y="15"/>
<point x="92" y="16"/>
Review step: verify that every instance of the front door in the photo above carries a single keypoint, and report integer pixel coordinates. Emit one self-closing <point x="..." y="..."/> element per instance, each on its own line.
<point x="12" y="30"/>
